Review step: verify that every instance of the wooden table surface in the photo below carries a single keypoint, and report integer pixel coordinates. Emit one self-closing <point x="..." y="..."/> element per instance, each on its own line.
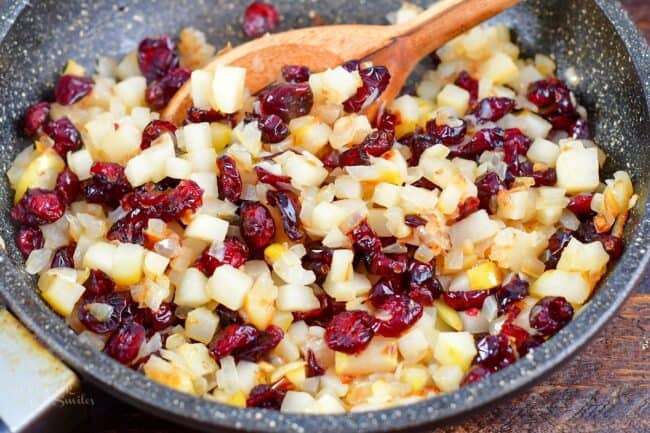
<point x="605" y="389"/>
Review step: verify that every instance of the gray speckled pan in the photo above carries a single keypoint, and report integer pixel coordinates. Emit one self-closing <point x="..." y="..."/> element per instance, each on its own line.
<point x="594" y="36"/>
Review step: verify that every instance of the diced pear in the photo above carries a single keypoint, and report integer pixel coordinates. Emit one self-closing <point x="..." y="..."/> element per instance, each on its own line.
<point x="259" y="304"/>
<point x="327" y="216"/>
<point x="127" y="264"/>
<point x="229" y="286"/>
<point x="413" y="346"/>
<point x="386" y="194"/>
<point x="500" y="69"/>
<point x="41" y="172"/>
<point x="228" y="87"/>
<point x="201" y="324"/>
<point x="128" y="67"/>
<point x="178" y="168"/>
<point x="131" y="91"/>
<point x="207" y="228"/>
<point x="303" y="171"/>
<point x="60" y="293"/>
<point x="74" y="68"/>
<point x="577" y="170"/>
<point x="409" y="112"/>
<point x="448" y="315"/>
<point x="100" y="256"/>
<point x="200" y="85"/>
<point x="295" y="297"/>
<point x="484" y="276"/>
<point x="572" y="285"/>
<point x="169" y="375"/>
<point x="516" y="205"/>
<point x="197" y="136"/>
<point x="310" y="133"/>
<point x="191" y="292"/>
<point x="448" y="377"/>
<point x="80" y="163"/>
<point x="221" y="136"/>
<point x="379" y="357"/>
<point x="590" y="258"/>
<point x="455" y="348"/>
<point x="543" y="151"/>
<point x="454" y="97"/>
<point x="335" y="85"/>
<point x="155" y="264"/>
<point x="197" y="358"/>
<point x="349" y="131"/>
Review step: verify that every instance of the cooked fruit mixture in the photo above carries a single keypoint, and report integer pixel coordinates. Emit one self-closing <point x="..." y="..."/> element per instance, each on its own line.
<point x="283" y="251"/>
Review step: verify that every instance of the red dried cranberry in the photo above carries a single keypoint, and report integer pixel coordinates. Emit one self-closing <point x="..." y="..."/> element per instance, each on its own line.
<point x="515" y="144"/>
<point x="197" y="115"/>
<point x="295" y="73"/>
<point x="550" y="314"/>
<point x="463" y="300"/>
<point x="155" y="129"/>
<point x="289" y="206"/>
<point x="354" y="156"/>
<point x="168" y="205"/>
<point x="71" y="88"/>
<point x="546" y="177"/>
<point x="351" y="65"/>
<point x="38" y="207"/>
<point x="417" y="143"/>
<point x="587" y="231"/>
<point x="424" y="183"/>
<point x="156" y="57"/>
<point x="107" y="185"/>
<point x="476" y="374"/>
<point x="468" y="207"/>
<point x="553" y="98"/>
<point x="514" y="290"/>
<point x="228" y="317"/>
<point x="465" y="81"/>
<point x="318" y="260"/>
<point x="322" y="315"/>
<point x="29" y="239"/>
<point x="266" y="397"/>
<point x="330" y="159"/>
<point x="257" y="225"/>
<point x="163" y="317"/>
<point x="350" y="331"/>
<point x="613" y="245"/>
<point x="263" y="344"/>
<point x="160" y="92"/>
<point x="229" y="179"/>
<point x="533" y="342"/>
<point x="447" y="134"/>
<point x="123" y="346"/>
<point x="414" y="220"/>
<point x="64" y="257"/>
<point x="580" y="130"/>
<point x="115" y="300"/>
<point x="387" y="121"/>
<point x="423" y="286"/>
<point x="556" y="245"/>
<point x="404" y="312"/>
<point x="273" y="128"/>
<point x="313" y="369"/>
<point x="495" y="352"/>
<point x="235" y="254"/>
<point x="377" y="143"/>
<point x="485" y="139"/>
<point x="375" y="80"/>
<point x="98" y="283"/>
<point x="365" y="239"/>
<point x="67" y="186"/>
<point x="516" y="333"/>
<point x="488" y="186"/>
<point x="279" y="182"/>
<point x="386" y="265"/>
<point x="580" y="205"/>
<point x="130" y="228"/>
<point x="35" y="118"/>
<point x="65" y="136"/>
<point x="260" y="18"/>
<point x="493" y="108"/>
<point x="287" y="100"/>
<point x="232" y="338"/>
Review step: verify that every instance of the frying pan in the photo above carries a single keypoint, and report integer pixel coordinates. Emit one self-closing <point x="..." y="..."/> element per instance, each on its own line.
<point x="594" y="36"/>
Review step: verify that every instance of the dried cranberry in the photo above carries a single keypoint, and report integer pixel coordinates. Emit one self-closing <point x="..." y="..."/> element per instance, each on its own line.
<point x="29" y="239"/>
<point x="493" y="108"/>
<point x="287" y="100"/>
<point x="465" y="81"/>
<point x="547" y="177"/>
<point x="424" y="287"/>
<point x="580" y="205"/>
<point x="64" y="257"/>
<point x="273" y="128"/>
<point x="35" y="118"/>
<point x="531" y="343"/>
<point x="156" y="57"/>
<point x="515" y="144"/>
<point x="123" y="346"/>
<point x="350" y="331"/>
<point x="71" y="88"/>
<point x="229" y="179"/>
<point x="263" y="344"/>
<point x="553" y="98"/>
<point x="424" y="183"/>
<point x="67" y="186"/>
<point x="485" y="139"/>
<point x="417" y="143"/>
<point x="414" y="220"/>
<point x="365" y="239"/>
<point x="295" y="73"/>
<point x="488" y="186"/>
<point x="514" y="290"/>
<point x="387" y="122"/>
<point x="580" y="130"/>
<point x="404" y="312"/>
<point x="38" y="207"/>
<point x="468" y="207"/>
<point x="168" y="205"/>
<point x="232" y="338"/>
<point x="375" y="80"/>
<point x="463" y="300"/>
<point x="351" y="65"/>
<point x="322" y="315"/>
<point x="257" y="226"/>
<point x="556" y="244"/>
<point x="382" y="290"/>
<point x="613" y="245"/>
<point x="318" y="260"/>
<point x="65" y="136"/>
<point x="377" y="143"/>
<point x="228" y="317"/>
<point x="476" y="374"/>
<point x="495" y="352"/>
<point x="260" y="18"/>
<point x="130" y="228"/>
<point x="266" y="397"/>
<point x="98" y="283"/>
<point x="330" y="159"/>
<point x="516" y="333"/>
<point x="313" y="369"/>
<point x="587" y="231"/>
<point x="279" y="182"/>
<point x="386" y="265"/>
<point x="550" y="314"/>
<point x="235" y="254"/>
<point x="115" y="300"/>
<point x="447" y="134"/>
<point x="160" y="92"/>
<point x="107" y="185"/>
<point x="197" y="115"/>
<point x="354" y="156"/>
<point x="289" y="206"/>
<point x="155" y="129"/>
<point x="163" y="317"/>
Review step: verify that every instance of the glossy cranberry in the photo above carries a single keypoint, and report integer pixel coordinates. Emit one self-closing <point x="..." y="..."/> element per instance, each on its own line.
<point x="485" y="139"/>
<point x="423" y="286"/>
<point x="273" y="128"/>
<point x="71" y="88"/>
<point x="417" y="143"/>
<point x="365" y="239"/>
<point x="160" y="92"/>
<point x="383" y="289"/>
<point x="235" y="254"/>
<point x="130" y="228"/>
<point x="123" y="346"/>
<point x="29" y="239"/>
<point x="115" y="300"/>
<point x="517" y="334"/>
<point x="67" y="186"/>
<point x="38" y="207"/>
<point x="547" y="177"/>
<point x="63" y="257"/>
<point x="266" y="397"/>
<point x="155" y="129"/>
<point x="322" y="315"/>
<point x="387" y="122"/>
<point x="515" y="144"/>
<point x="495" y="352"/>
<point x="613" y="245"/>
<point x="464" y="300"/>
<point x="468" y="207"/>
<point x="514" y="290"/>
<point x="352" y="65"/>
<point x="556" y="244"/>
<point x="587" y="232"/>
<point x="424" y="183"/>
<point x="465" y="81"/>
<point x="35" y="118"/>
<point x="580" y="130"/>
<point x="404" y="312"/>
<point x="550" y="314"/>
<point x="476" y="374"/>
<point x="197" y="115"/>
<point x="260" y="18"/>
<point x="414" y="220"/>
<point x="279" y="182"/>
<point x="447" y="134"/>
<point x="98" y="284"/>
<point x="263" y="344"/>
<point x="553" y="98"/>
<point x="233" y="337"/>
<point x="229" y="179"/>
<point x="387" y="265"/>
<point x="295" y="73"/>
<point x="287" y="100"/>
<point x="330" y="159"/>
<point x="580" y="205"/>
<point x="377" y="143"/>
<point x="318" y="260"/>
<point x="313" y="368"/>
<point x="350" y="331"/>
<point x="163" y="317"/>
<point x="156" y="57"/>
<point x="493" y="108"/>
<point x="107" y="185"/>
<point x="531" y="343"/>
<point x="65" y="136"/>
<point x="289" y="206"/>
<point x="167" y="204"/>
<point x="257" y="226"/>
<point x="488" y="186"/>
<point x="375" y="80"/>
<point x="228" y="317"/>
<point x="354" y="156"/>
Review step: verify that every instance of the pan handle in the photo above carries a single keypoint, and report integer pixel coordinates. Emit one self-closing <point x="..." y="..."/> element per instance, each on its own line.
<point x="39" y="393"/>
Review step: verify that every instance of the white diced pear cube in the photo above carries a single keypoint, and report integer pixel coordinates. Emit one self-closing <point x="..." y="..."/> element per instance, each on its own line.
<point x="454" y="97"/>
<point x="577" y="170"/>
<point x="155" y="264"/>
<point x="448" y="377"/>
<point x="455" y="348"/>
<point x="127" y="264"/>
<point x="131" y="91"/>
<point x="229" y="286"/>
<point x="197" y="136"/>
<point x="228" y="87"/>
<point x="386" y="194"/>
<point x="500" y="69"/>
<point x="207" y="228"/>
<point x="200" y="85"/>
<point x="379" y="357"/>
<point x="201" y="324"/>
<point x="60" y="293"/>
<point x="544" y="152"/>
<point x="178" y="168"/>
<point x="191" y="292"/>
<point x="296" y="297"/>
<point x="100" y="256"/>
<point x="413" y="346"/>
<point x="572" y="285"/>
<point x="579" y="257"/>
<point x="80" y="163"/>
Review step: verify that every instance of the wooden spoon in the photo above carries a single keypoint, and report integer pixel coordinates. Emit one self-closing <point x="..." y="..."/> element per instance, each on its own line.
<point x="398" y="47"/>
